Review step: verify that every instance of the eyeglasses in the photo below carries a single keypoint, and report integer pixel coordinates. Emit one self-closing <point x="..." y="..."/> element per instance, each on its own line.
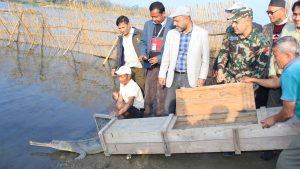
<point x="272" y="12"/>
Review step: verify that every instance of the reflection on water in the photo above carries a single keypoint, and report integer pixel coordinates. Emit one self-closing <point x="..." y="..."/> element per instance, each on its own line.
<point x="45" y="96"/>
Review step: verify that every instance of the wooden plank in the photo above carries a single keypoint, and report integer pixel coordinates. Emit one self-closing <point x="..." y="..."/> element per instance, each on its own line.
<point x="215" y="99"/>
<point x="103" y="139"/>
<point x="138" y="125"/>
<point x="250" y="144"/>
<point x="172" y="123"/>
<point x="137" y="130"/>
<point x="202" y="146"/>
<point x="136" y="148"/>
<point x="263" y="112"/>
<point x="216" y="116"/>
<point x="164" y="134"/>
<point x="186" y="123"/>
<point x="132" y="136"/>
<point x="236" y="141"/>
<point x="225" y="132"/>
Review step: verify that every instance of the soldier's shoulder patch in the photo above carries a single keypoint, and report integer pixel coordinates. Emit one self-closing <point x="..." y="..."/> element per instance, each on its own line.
<point x="233" y="38"/>
<point x="263" y="39"/>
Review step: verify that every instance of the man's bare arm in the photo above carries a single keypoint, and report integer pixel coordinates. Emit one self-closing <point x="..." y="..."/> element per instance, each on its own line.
<point x="127" y="105"/>
<point x="272" y="82"/>
<point x="287" y="112"/>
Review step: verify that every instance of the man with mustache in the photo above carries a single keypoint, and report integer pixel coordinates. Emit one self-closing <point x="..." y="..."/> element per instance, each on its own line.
<point x="151" y="51"/>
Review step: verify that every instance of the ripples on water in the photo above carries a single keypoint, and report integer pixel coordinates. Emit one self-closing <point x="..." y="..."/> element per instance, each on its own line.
<point x="45" y="96"/>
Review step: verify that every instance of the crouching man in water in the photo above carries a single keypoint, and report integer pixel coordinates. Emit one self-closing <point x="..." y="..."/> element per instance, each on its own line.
<point x="129" y="100"/>
<point x="286" y="51"/>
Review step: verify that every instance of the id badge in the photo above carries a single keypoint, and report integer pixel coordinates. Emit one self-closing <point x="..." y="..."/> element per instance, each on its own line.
<point x="153" y="46"/>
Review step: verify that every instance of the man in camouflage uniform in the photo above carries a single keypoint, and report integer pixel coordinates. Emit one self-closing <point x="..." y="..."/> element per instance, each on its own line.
<point x="257" y="27"/>
<point x="244" y="51"/>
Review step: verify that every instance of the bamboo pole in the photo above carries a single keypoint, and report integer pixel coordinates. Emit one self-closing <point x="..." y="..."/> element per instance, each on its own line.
<point x="11" y="35"/>
<point x="73" y="43"/>
<point x="24" y="25"/>
<point x="111" y="50"/>
<point x="6" y="29"/>
<point x="17" y="26"/>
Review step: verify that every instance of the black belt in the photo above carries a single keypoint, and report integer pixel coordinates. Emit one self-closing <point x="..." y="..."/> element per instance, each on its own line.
<point x="180" y="72"/>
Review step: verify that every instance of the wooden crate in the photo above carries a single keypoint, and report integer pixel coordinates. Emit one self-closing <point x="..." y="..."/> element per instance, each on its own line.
<point x="157" y="135"/>
<point x="219" y="104"/>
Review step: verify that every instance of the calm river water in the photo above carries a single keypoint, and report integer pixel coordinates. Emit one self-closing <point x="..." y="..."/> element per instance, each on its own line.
<point x="45" y="96"/>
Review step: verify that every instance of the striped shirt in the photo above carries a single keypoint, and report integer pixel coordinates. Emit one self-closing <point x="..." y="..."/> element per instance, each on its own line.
<point x="181" y="64"/>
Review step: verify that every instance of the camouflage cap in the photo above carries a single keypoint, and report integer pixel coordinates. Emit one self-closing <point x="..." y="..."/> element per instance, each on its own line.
<point x="241" y="13"/>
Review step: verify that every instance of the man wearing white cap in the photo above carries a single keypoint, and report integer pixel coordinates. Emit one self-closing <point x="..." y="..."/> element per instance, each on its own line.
<point x="185" y="59"/>
<point x="130" y="101"/>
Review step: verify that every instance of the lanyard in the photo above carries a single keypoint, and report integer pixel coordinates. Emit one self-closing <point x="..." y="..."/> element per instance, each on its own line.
<point x="159" y="31"/>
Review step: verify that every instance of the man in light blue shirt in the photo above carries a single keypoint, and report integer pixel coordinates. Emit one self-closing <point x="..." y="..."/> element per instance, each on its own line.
<point x="286" y="51"/>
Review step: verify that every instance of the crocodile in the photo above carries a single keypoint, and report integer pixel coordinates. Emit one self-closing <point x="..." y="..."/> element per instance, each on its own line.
<point x="82" y="147"/>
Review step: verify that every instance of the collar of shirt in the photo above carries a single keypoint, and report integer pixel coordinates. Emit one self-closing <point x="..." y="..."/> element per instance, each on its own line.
<point x="283" y="22"/>
<point x="130" y="33"/>
<point x="250" y="37"/>
<point x="291" y="62"/>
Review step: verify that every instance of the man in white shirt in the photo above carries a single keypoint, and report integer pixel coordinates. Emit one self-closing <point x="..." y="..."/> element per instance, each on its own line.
<point x="128" y="50"/>
<point x="130" y="101"/>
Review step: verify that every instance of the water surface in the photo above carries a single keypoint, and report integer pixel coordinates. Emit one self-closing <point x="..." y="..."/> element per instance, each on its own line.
<point x="44" y="96"/>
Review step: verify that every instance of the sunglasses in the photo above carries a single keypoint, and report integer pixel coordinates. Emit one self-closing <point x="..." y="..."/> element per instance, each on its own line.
<point x="272" y="12"/>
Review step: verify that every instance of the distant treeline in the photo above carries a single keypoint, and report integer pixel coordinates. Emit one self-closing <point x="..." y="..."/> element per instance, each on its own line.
<point x="105" y="3"/>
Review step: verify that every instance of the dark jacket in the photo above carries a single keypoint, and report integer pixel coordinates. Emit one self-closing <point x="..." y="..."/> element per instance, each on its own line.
<point x="136" y="38"/>
<point x="147" y="36"/>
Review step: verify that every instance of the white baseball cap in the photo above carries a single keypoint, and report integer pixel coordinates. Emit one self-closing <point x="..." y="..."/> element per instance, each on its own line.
<point x="235" y="6"/>
<point x="123" y="70"/>
<point x="181" y="11"/>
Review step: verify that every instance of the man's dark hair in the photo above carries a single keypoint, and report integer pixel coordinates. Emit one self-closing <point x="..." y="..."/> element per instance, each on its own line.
<point x="157" y="5"/>
<point x="122" y="19"/>
<point x="295" y="4"/>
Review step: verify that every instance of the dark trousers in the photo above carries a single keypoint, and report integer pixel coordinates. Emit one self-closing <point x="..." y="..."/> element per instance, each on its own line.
<point x="261" y="97"/>
<point x="154" y="94"/>
<point x="274" y="98"/>
<point x="134" y="112"/>
<point x="180" y="80"/>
